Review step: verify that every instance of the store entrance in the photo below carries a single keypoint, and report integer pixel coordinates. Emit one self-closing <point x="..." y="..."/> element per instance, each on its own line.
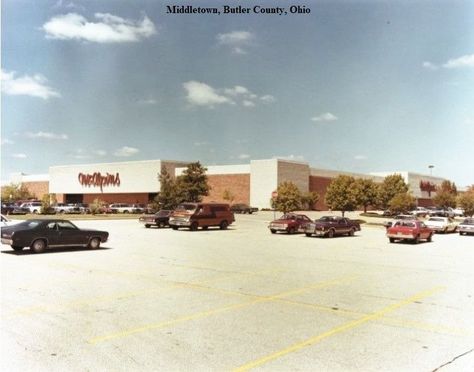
<point x="74" y="198"/>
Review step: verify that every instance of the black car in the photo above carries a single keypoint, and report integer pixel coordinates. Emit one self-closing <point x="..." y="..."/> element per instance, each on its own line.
<point x="159" y="219"/>
<point x="49" y="233"/>
<point x="243" y="208"/>
<point x="12" y="208"/>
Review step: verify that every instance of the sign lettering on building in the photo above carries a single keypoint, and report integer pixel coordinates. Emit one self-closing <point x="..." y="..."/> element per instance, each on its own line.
<point x="427" y="186"/>
<point x="99" y="180"/>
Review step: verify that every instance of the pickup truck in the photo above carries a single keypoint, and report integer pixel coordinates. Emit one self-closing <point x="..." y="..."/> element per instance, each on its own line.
<point x="330" y="226"/>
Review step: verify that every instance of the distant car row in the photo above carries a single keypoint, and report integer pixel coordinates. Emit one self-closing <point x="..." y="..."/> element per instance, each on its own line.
<point x="440" y="212"/>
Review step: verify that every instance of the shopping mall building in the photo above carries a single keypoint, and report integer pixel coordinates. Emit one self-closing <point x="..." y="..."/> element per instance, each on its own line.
<point x="252" y="183"/>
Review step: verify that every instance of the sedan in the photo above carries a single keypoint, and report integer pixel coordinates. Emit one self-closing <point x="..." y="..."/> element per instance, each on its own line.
<point x="412" y="230"/>
<point x="159" y="219"/>
<point x="290" y="223"/>
<point x="441" y="224"/>
<point x="466" y="227"/>
<point x="50" y="233"/>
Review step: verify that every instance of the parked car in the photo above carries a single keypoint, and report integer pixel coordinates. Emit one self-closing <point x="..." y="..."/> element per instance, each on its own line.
<point x="456" y="212"/>
<point x="419" y="212"/>
<point x="466" y="227"/>
<point x="32" y="207"/>
<point x="7" y="222"/>
<point x="204" y="215"/>
<point x="106" y="209"/>
<point x="330" y="226"/>
<point x="412" y="230"/>
<point x="441" y="224"/>
<point x="50" y="233"/>
<point x="398" y="217"/>
<point x="125" y="208"/>
<point x="290" y="223"/>
<point x="159" y="219"/>
<point x="13" y="208"/>
<point x="65" y="208"/>
<point x="243" y="208"/>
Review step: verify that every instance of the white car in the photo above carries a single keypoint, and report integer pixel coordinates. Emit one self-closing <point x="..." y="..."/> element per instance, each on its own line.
<point x="33" y="207"/>
<point x="7" y="222"/>
<point x="441" y="224"/>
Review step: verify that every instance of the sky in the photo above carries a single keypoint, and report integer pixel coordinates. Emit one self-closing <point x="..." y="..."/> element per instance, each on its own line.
<point x="360" y="86"/>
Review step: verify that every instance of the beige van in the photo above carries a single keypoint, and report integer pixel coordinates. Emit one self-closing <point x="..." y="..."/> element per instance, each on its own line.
<point x="195" y="215"/>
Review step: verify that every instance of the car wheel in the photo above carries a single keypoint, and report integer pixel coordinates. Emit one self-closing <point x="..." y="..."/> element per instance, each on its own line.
<point x="147" y="226"/>
<point x="461" y="233"/>
<point x="35" y="211"/>
<point x="125" y="211"/>
<point x="391" y="240"/>
<point x="308" y="235"/>
<point x="38" y="246"/>
<point x="205" y="227"/>
<point x="161" y="224"/>
<point x="330" y="233"/>
<point x="194" y="226"/>
<point x="174" y="227"/>
<point x="416" y="240"/>
<point x="17" y="248"/>
<point x="429" y="238"/>
<point x="352" y="232"/>
<point x="273" y="231"/>
<point x="94" y="243"/>
<point x="223" y="225"/>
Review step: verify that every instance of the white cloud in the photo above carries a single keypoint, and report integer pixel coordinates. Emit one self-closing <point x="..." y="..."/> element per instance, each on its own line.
<point x="108" y="29"/>
<point x="325" y="117"/>
<point x="86" y="154"/>
<point x="267" y="98"/>
<point x="248" y="103"/>
<point x="34" y="86"/>
<point x="201" y="94"/>
<point x="19" y="156"/>
<point x="429" y="65"/>
<point x="464" y="61"/>
<point x="100" y="152"/>
<point x="47" y="135"/>
<point x="290" y="157"/>
<point x="126" y="151"/>
<point x="360" y="157"/>
<point x="236" y="40"/>
<point x="6" y="141"/>
<point x="244" y="156"/>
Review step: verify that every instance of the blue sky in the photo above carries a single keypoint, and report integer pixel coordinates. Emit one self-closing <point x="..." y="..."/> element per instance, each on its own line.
<point x="363" y="86"/>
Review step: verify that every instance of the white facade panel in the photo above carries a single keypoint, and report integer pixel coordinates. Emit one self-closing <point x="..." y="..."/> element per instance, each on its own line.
<point x="263" y="181"/>
<point x="135" y="177"/>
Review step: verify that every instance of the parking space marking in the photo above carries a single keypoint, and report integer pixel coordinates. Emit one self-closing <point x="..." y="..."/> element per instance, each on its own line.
<point x="340" y="329"/>
<point x="122" y="295"/>
<point x="218" y="310"/>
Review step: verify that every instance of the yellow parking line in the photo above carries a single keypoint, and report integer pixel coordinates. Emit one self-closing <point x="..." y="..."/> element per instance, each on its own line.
<point x="122" y="295"/>
<point x="203" y="314"/>
<point x="343" y="328"/>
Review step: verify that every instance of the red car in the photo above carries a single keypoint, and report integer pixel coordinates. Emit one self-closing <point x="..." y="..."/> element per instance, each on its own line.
<point x="412" y="230"/>
<point x="290" y="223"/>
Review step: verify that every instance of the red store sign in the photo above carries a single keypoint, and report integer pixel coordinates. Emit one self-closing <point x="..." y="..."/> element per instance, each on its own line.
<point x="98" y="180"/>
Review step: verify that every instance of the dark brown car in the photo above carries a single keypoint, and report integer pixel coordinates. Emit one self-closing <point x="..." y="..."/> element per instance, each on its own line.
<point x="330" y="226"/>
<point x="204" y="215"/>
<point x="290" y="223"/>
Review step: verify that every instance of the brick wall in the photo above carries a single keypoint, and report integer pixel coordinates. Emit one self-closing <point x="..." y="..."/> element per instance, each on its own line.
<point x="141" y="198"/>
<point x="37" y="188"/>
<point x="319" y="185"/>
<point x="237" y="184"/>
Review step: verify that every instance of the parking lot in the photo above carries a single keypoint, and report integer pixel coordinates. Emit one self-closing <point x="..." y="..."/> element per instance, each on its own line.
<point x="240" y="299"/>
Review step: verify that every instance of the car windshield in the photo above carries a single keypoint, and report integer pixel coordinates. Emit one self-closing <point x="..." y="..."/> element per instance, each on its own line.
<point x="186" y="207"/>
<point x="326" y="219"/>
<point x="163" y="213"/>
<point x="29" y="224"/>
<point x="436" y="219"/>
<point x="468" y="221"/>
<point x="288" y="217"/>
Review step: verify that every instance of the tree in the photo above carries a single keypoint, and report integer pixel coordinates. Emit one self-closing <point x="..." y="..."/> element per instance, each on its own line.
<point x="192" y="185"/>
<point x="402" y="203"/>
<point x="289" y="198"/>
<point x="366" y="192"/>
<point x="391" y="186"/>
<point x="341" y="194"/>
<point x="228" y="195"/>
<point x="96" y="206"/>
<point x="167" y="198"/>
<point x="309" y="199"/>
<point x="46" y="202"/>
<point x="466" y="201"/>
<point x="446" y="195"/>
<point x="14" y="192"/>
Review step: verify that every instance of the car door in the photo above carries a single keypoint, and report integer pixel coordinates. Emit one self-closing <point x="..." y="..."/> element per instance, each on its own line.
<point x="70" y="234"/>
<point x="51" y="233"/>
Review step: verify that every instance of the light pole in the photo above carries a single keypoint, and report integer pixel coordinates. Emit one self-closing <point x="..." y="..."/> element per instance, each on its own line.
<point x="431" y="169"/>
